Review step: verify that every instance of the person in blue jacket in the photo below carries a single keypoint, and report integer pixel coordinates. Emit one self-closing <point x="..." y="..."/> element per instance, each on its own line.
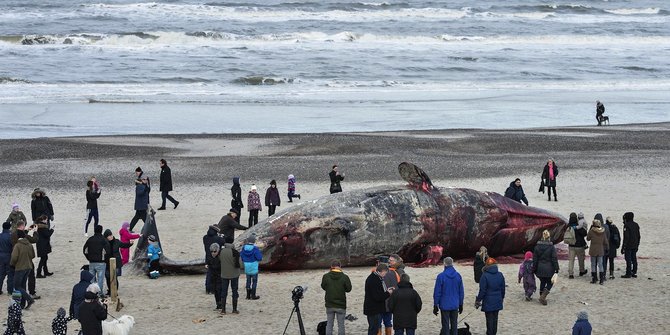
<point x="251" y="255"/>
<point x="448" y="297"/>
<point x="582" y="325"/>
<point x="78" y="292"/>
<point x="154" y="254"/>
<point x="491" y="295"/>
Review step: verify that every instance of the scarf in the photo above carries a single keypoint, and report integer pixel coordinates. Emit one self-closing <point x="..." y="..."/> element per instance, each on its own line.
<point x="551" y="171"/>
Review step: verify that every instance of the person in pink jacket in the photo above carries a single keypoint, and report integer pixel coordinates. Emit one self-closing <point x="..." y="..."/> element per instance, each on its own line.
<point x="125" y="236"/>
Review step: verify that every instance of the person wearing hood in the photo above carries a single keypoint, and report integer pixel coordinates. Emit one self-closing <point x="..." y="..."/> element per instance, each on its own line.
<point x="14" y="314"/>
<point x="154" y="253"/>
<point x="405" y="303"/>
<point x="527" y="274"/>
<point x="78" y="292"/>
<point x="272" y="198"/>
<point x="448" y="296"/>
<point x="515" y="192"/>
<point x="376" y="293"/>
<point x="165" y="185"/>
<point x="96" y="250"/>
<point x="545" y="264"/>
<point x="142" y="190"/>
<point x="92" y="312"/>
<point x="228" y="224"/>
<point x="125" y="236"/>
<point x="251" y="255"/>
<point x="549" y="175"/>
<point x="577" y="223"/>
<point x="631" y="241"/>
<point x="491" y="295"/>
<point x="213" y="265"/>
<point x="230" y="274"/>
<point x="479" y="263"/>
<point x="600" y="218"/>
<point x="600" y="112"/>
<point x="114" y="252"/>
<point x="22" y="261"/>
<point x="43" y="246"/>
<point x="337" y="285"/>
<point x="41" y="205"/>
<point x="582" y="325"/>
<point x="15" y="216"/>
<point x="335" y="179"/>
<point x="615" y="243"/>
<point x="291" y="188"/>
<point x="92" y="195"/>
<point x="212" y="236"/>
<point x="5" y="257"/>
<point x="599" y="243"/>
<point x="253" y="206"/>
<point x="236" y="202"/>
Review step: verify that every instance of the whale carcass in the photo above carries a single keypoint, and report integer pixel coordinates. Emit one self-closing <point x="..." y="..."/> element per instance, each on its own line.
<point x="410" y="220"/>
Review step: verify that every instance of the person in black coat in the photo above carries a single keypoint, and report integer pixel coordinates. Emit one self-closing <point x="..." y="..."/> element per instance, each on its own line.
<point x="211" y="237"/>
<point x="376" y="294"/>
<point x="545" y="264"/>
<point x="228" y="224"/>
<point x="114" y="245"/>
<point x="92" y="195"/>
<point x="272" y="198"/>
<point x="41" y="205"/>
<point x="43" y="246"/>
<point x="405" y="303"/>
<point x="335" y="179"/>
<point x="166" y="185"/>
<point x="615" y="243"/>
<point x="515" y="192"/>
<point x="600" y="111"/>
<point x="549" y="174"/>
<point x="236" y="202"/>
<point x="79" y="290"/>
<point x="214" y="267"/>
<point x="631" y="241"/>
<point x="92" y="312"/>
<point x="142" y="190"/>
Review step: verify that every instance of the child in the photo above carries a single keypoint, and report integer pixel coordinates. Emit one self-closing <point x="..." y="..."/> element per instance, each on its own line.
<point x="291" y="188"/>
<point x="154" y="253"/>
<point x="251" y="255"/>
<point x="59" y="323"/>
<point x="14" y="323"/>
<point x="582" y="325"/>
<point x="480" y="261"/>
<point x="528" y="275"/>
<point x="126" y="236"/>
<point x="253" y="206"/>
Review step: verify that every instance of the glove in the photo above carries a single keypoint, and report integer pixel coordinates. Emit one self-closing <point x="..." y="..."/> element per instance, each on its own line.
<point x="478" y="304"/>
<point x="460" y="309"/>
<point x="435" y="309"/>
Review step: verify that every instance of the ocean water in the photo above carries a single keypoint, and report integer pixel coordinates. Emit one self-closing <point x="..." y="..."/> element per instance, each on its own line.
<point x="72" y="68"/>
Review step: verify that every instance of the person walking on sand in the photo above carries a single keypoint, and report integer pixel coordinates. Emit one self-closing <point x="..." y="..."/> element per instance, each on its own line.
<point x="448" y="296"/>
<point x="577" y="247"/>
<point x="92" y="195"/>
<point x="253" y="206"/>
<point x="405" y="303"/>
<point x="337" y="285"/>
<point x="227" y="224"/>
<point x="582" y="325"/>
<point x="41" y="205"/>
<point x="125" y="236"/>
<point x="527" y="274"/>
<point x="335" y="178"/>
<point x="480" y="262"/>
<point x="515" y="192"/>
<point x="291" y="188"/>
<point x="43" y="246"/>
<point x="376" y="293"/>
<point x="165" y="187"/>
<point x="599" y="243"/>
<point x="272" y="198"/>
<point x="236" y="202"/>
<point x="615" y="243"/>
<point x="631" y="241"/>
<point x="142" y="190"/>
<point x="549" y="175"/>
<point x="545" y="264"/>
<point x="491" y="295"/>
<point x="15" y="216"/>
<point x="230" y="274"/>
<point x="600" y="111"/>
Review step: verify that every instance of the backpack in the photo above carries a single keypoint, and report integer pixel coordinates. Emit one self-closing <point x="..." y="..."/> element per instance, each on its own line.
<point x="321" y="328"/>
<point x="569" y="236"/>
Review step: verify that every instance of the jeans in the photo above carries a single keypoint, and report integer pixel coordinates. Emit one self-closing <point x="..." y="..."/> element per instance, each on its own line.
<point x="165" y="195"/>
<point x="631" y="261"/>
<point x="92" y="214"/>
<point x="233" y="283"/>
<point x="252" y="281"/>
<point x="271" y="210"/>
<point x="253" y="217"/>
<point x="572" y="252"/>
<point x="597" y="264"/>
<point x="139" y="215"/>
<point x="4" y="272"/>
<point x="491" y="323"/>
<point x="387" y="320"/>
<point x="98" y="271"/>
<point x="374" y="321"/>
<point x="449" y="322"/>
<point x="20" y="278"/>
<point x="331" y="314"/>
<point x="545" y="283"/>
<point x="403" y="331"/>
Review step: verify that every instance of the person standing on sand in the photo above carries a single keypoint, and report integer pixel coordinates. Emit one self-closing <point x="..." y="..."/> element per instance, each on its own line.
<point x="480" y="262"/>
<point x="22" y="261"/>
<point x="491" y="295"/>
<point x="139" y="174"/>
<point x="253" y="206"/>
<point x="142" y="190"/>
<point x="21" y="227"/>
<point x="578" y="248"/>
<point x="165" y="187"/>
<point x="549" y="175"/>
<point x="337" y="285"/>
<point x="291" y="188"/>
<point x="272" y="198"/>
<point x="213" y="265"/>
<point x="125" y="236"/>
<point x="43" y="246"/>
<point x="600" y="218"/>
<point x="582" y="325"/>
<point x="41" y="205"/>
<point x="615" y="243"/>
<point x="236" y="202"/>
<point x="600" y="111"/>
<point x="405" y="303"/>
<point x="227" y="224"/>
<point x="15" y="216"/>
<point x="251" y="255"/>
<point x="96" y="250"/>
<point x="631" y="241"/>
<point x="599" y="243"/>
<point x="230" y="273"/>
<point x="545" y="264"/>
<point x="335" y="179"/>
<point x="5" y="256"/>
<point x="114" y="252"/>
<point x="448" y="296"/>
<point x="212" y="236"/>
<point x="92" y="195"/>
<point x="376" y="293"/>
<point x="515" y="192"/>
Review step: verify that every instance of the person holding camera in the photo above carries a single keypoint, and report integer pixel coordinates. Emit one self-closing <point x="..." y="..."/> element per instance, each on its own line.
<point x="376" y="293"/>
<point x="142" y="190"/>
<point x="337" y="285"/>
<point x="335" y="179"/>
<point x="92" y="311"/>
<point x="236" y="202"/>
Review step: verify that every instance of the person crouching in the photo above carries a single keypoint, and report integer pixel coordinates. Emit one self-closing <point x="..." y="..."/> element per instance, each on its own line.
<point x="154" y="254"/>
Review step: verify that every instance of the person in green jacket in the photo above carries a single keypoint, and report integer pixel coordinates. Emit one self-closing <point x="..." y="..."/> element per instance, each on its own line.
<point x="337" y="285"/>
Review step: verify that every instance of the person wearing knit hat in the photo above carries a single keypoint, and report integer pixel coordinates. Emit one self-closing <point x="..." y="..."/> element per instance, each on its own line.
<point x="125" y="236"/>
<point x="214" y="271"/>
<point x="253" y="206"/>
<point x="114" y="247"/>
<point x="527" y="274"/>
<point x="272" y="198"/>
<point x="14" y="313"/>
<point x="59" y="323"/>
<point x="142" y="190"/>
<point x="291" y="188"/>
<point x="545" y="264"/>
<point x="491" y="294"/>
<point x="251" y="255"/>
<point x="154" y="254"/>
<point x="15" y="216"/>
<point x="582" y="325"/>
<point x="236" y="202"/>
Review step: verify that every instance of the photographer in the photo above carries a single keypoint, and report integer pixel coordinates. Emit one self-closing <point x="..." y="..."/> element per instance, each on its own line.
<point x="92" y="311"/>
<point x="376" y="294"/>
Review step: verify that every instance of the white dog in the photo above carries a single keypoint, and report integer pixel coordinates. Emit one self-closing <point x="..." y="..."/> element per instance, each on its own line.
<point x="120" y="326"/>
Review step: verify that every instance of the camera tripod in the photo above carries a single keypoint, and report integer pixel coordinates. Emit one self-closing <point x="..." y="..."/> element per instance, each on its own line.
<point x="296" y="310"/>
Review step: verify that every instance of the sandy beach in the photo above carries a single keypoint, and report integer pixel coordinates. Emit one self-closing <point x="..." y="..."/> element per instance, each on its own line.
<point x="608" y="170"/>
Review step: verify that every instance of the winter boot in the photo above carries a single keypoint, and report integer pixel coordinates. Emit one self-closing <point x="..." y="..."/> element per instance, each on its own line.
<point x="253" y="294"/>
<point x="46" y="271"/>
<point x="602" y="277"/>
<point x="611" y="273"/>
<point x="223" y="305"/>
<point x="235" y="311"/>
<point x="388" y="331"/>
<point x="594" y="277"/>
<point x="379" y="332"/>
<point x="543" y="297"/>
<point x="248" y="294"/>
